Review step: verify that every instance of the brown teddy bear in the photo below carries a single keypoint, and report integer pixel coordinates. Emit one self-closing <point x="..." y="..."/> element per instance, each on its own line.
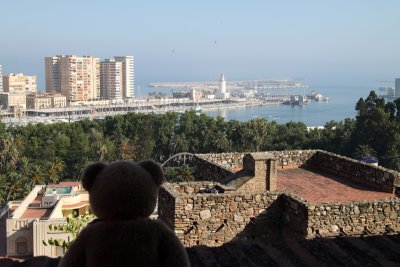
<point x="122" y="195"/>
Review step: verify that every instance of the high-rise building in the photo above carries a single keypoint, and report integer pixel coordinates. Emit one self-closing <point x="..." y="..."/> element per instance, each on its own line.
<point x="19" y="83"/>
<point x="128" y="75"/>
<point x="1" y="78"/>
<point x="397" y="87"/>
<point x="78" y="78"/>
<point x="111" y="79"/>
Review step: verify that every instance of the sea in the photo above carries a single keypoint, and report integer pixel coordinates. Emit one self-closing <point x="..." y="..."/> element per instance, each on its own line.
<point x="341" y="105"/>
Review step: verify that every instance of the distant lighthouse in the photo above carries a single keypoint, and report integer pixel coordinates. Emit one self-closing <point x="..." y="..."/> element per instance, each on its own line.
<point x="222" y="94"/>
<point x="222" y="84"/>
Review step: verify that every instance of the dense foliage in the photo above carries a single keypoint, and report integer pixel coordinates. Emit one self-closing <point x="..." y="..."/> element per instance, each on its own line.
<point x="37" y="154"/>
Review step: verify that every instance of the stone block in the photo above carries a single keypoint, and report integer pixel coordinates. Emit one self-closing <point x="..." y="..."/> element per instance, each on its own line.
<point x="238" y="218"/>
<point x="356" y="210"/>
<point x="205" y="214"/>
<point x="189" y="207"/>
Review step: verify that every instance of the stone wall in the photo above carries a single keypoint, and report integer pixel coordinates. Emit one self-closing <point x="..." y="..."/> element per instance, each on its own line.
<point x="294" y="213"/>
<point x="354" y="218"/>
<point x="166" y="205"/>
<point x="292" y="158"/>
<point x="230" y="161"/>
<point x="205" y="170"/>
<point x="214" y="219"/>
<point x="284" y="159"/>
<point x="209" y="213"/>
<point x="375" y="176"/>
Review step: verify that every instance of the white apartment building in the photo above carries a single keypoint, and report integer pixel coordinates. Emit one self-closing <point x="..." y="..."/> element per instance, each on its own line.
<point x="111" y="79"/>
<point x="128" y="75"/>
<point x="19" y="83"/>
<point x="28" y="223"/>
<point x="77" y="78"/>
<point x="1" y="78"/>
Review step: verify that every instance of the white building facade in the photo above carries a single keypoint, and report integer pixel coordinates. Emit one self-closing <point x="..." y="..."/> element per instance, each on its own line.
<point x="128" y="75"/>
<point x="1" y="78"/>
<point x="111" y="79"/>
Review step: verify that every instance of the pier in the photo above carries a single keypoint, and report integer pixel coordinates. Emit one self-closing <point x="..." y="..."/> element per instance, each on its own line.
<point x="157" y="106"/>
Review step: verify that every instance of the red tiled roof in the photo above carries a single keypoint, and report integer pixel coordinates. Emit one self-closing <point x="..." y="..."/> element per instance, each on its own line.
<point x="36" y="213"/>
<point x="317" y="187"/>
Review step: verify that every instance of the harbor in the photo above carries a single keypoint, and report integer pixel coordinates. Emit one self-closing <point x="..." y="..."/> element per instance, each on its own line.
<point x="157" y="106"/>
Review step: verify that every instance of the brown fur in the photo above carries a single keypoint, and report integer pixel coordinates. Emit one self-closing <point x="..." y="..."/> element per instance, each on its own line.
<point x="123" y="194"/>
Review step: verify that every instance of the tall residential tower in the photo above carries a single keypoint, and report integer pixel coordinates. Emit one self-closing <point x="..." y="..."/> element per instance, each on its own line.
<point x="397" y="87"/>
<point x="111" y="79"/>
<point x="128" y="75"/>
<point x="78" y="78"/>
<point x="1" y="78"/>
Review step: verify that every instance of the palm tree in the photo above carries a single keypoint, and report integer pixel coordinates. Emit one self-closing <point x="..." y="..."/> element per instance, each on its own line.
<point x="364" y="150"/>
<point x="37" y="175"/>
<point x="54" y="170"/>
<point x="185" y="174"/>
<point x="221" y="142"/>
<point x="127" y="149"/>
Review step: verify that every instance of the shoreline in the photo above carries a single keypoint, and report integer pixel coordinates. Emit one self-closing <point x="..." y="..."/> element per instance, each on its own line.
<point x="157" y="107"/>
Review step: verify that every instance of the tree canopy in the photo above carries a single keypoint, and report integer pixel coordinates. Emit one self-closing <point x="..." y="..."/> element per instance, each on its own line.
<point x="48" y="153"/>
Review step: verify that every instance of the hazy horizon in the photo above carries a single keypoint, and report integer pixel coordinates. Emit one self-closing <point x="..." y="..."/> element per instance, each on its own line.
<point x="322" y="42"/>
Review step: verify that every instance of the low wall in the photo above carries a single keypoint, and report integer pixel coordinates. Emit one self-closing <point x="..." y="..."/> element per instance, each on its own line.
<point x="216" y="167"/>
<point x="354" y="218"/>
<point x="292" y="158"/>
<point x="206" y="170"/>
<point x="375" y="176"/>
<point x="206" y="217"/>
<point x="284" y="159"/>
<point x="166" y="206"/>
<point x="230" y="161"/>
<point x="212" y="219"/>
<point x="294" y="213"/>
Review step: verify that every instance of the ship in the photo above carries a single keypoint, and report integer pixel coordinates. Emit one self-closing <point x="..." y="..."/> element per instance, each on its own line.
<point x="296" y="100"/>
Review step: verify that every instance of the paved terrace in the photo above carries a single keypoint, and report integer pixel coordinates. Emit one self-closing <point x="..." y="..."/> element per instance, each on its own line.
<point x="319" y="187"/>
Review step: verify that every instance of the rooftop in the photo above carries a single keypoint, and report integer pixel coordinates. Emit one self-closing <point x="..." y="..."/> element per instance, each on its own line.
<point x="35" y="211"/>
<point x="319" y="187"/>
<point x="341" y="251"/>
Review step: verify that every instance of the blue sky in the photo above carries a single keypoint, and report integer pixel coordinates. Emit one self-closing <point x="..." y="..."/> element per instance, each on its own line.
<point x="326" y="42"/>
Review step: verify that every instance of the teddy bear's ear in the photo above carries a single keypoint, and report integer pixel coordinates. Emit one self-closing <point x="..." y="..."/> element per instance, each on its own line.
<point x="89" y="174"/>
<point x="154" y="169"/>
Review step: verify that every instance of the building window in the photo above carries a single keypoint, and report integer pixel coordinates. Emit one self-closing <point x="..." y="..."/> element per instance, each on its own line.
<point x="22" y="245"/>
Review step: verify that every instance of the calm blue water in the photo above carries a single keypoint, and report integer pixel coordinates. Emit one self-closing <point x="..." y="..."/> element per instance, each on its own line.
<point x="340" y="106"/>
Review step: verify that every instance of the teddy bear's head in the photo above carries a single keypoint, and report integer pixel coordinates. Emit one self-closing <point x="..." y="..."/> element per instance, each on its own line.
<point x="122" y="189"/>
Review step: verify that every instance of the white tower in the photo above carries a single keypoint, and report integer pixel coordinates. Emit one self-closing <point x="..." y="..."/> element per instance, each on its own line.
<point x="222" y="94"/>
<point x="222" y="84"/>
<point x="1" y="79"/>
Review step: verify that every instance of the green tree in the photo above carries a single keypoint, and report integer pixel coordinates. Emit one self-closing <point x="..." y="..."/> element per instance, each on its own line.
<point x="73" y="225"/>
